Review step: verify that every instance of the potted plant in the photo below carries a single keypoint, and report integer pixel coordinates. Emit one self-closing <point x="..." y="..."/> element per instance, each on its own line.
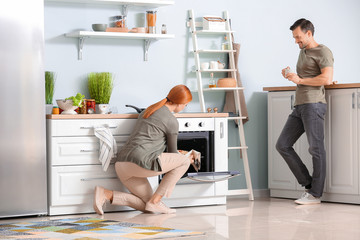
<point x="49" y="90"/>
<point x="100" y="88"/>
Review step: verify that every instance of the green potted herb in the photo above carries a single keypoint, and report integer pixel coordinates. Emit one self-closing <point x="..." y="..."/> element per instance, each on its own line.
<point x="100" y="88"/>
<point x="49" y="90"/>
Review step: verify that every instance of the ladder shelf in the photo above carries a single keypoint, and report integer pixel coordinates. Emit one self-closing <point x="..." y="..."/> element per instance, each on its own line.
<point x="232" y="70"/>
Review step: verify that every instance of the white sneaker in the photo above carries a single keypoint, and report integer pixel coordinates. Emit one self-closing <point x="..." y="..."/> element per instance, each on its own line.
<point x="307" y="199"/>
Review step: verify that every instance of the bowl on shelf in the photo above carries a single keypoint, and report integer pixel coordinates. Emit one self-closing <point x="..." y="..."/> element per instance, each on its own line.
<point x="138" y="30"/>
<point x="226" y="82"/>
<point x="99" y="27"/>
<point x="66" y="106"/>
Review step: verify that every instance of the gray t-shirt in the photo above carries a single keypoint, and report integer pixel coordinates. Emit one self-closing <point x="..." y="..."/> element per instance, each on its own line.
<point x="309" y="65"/>
<point x="150" y="138"/>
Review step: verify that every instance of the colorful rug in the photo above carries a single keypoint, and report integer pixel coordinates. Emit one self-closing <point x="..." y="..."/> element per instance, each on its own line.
<point x="86" y="228"/>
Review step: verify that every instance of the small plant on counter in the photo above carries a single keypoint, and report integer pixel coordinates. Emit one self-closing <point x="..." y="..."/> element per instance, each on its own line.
<point x="49" y="86"/>
<point x="77" y="100"/>
<point x="100" y="86"/>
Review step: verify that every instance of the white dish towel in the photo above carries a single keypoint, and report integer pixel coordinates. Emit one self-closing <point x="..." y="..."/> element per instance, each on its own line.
<point x="108" y="148"/>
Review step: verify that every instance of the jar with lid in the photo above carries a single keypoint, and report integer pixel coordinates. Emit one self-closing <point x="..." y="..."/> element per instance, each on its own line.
<point x="55" y="110"/>
<point x="120" y="21"/>
<point x="83" y="109"/>
<point x="151" y="21"/>
<point x="90" y="106"/>
<point x="225" y="44"/>
<point x="212" y="82"/>
<point x="163" y="29"/>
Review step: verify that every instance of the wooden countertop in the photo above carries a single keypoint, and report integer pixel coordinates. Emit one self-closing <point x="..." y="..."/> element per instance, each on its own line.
<point x="292" y="88"/>
<point x="134" y="115"/>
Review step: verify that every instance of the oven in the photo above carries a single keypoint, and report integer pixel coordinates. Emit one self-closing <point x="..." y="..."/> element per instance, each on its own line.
<point x="201" y="134"/>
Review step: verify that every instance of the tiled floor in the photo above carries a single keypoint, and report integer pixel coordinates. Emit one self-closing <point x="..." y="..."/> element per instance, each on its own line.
<point x="267" y="218"/>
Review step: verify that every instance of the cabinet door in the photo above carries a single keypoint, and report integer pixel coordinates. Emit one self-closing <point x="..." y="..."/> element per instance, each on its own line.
<point x="279" y="108"/>
<point x="341" y="139"/>
<point x="78" y="150"/>
<point x="74" y="185"/>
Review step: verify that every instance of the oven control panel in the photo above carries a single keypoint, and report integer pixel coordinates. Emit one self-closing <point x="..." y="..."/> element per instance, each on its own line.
<point x="196" y="124"/>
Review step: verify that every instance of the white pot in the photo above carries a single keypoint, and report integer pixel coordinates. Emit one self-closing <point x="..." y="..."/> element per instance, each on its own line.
<point x="102" y="108"/>
<point x="48" y="109"/>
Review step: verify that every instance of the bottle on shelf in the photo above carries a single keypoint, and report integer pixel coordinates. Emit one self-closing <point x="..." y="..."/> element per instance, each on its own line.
<point x="163" y="29"/>
<point x="225" y="44"/>
<point x="212" y="82"/>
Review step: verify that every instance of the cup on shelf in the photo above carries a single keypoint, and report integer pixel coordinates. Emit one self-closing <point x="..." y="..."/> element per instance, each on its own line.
<point x="221" y="65"/>
<point x="204" y="66"/>
<point x="214" y="65"/>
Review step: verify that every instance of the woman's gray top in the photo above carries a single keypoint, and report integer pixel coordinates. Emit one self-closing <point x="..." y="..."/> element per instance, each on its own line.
<point x="150" y="138"/>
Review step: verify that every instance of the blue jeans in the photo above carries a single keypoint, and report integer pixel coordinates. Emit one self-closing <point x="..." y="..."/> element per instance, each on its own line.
<point x="308" y="118"/>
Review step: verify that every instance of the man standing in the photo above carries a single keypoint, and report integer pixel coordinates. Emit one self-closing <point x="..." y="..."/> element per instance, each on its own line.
<point x="314" y="70"/>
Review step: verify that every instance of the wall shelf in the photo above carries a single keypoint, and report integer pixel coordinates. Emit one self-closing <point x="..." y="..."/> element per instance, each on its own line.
<point x="144" y="3"/>
<point x="216" y="70"/>
<point x="222" y="89"/>
<point x="213" y="51"/>
<point x="148" y="38"/>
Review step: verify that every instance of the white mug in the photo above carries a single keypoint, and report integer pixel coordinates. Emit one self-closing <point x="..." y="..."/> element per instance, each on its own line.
<point x="214" y="65"/>
<point x="204" y="65"/>
<point x="103" y="108"/>
<point x="221" y="65"/>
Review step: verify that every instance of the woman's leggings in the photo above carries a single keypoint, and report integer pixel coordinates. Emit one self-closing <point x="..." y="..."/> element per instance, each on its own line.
<point x="134" y="178"/>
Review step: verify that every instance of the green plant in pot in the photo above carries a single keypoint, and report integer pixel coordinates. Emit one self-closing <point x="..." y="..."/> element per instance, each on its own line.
<point x="100" y="86"/>
<point x="49" y="90"/>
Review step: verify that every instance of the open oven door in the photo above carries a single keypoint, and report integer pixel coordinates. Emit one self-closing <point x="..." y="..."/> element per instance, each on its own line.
<point x="211" y="176"/>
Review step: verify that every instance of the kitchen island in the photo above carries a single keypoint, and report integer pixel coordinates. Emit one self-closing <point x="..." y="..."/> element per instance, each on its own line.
<point x="74" y="169"/>
<point x="342" y="143"/>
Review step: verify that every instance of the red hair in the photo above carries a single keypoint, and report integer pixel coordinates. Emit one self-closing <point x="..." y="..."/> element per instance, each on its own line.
<point x="180" y="94"/>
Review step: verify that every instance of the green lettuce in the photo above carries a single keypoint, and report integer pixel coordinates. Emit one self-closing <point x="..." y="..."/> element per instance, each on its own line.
<point x="77" y="100"/>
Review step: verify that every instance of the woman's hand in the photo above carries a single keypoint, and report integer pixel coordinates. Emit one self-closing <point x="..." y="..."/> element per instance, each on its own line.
<point x="191" y="156"/>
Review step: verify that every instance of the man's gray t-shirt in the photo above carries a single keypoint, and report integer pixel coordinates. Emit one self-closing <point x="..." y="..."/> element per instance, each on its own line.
<point x="150" y="138"/>
<point x="309" y="65"/>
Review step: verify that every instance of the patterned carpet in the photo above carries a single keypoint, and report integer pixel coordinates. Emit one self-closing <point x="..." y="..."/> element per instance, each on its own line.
<point x="86" y="228"/>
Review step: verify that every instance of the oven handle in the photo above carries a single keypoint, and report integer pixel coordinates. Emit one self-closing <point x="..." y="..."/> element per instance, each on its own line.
<point x="209" y="175"/>
<point x="221" y="130"/>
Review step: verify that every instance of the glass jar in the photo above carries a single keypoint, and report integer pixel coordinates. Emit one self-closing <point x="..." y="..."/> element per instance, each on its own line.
<point x="55" y="110"/>
<point x="120" y="21"/>
<point x="163" y="29"/>
<point x="151" y="21"/>
<point x="90" y="106"/>
<point x="83" y="109"/>
<point x="212" y="82"/>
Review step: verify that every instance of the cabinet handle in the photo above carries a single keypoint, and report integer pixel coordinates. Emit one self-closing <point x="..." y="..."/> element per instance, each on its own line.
<point x="292" y="102"/>
<point x="94" y="150"/>
<point x="358" y="100"/>
<point x="91" y="179"/>
<point x="111" y="127"/>
<point x="353" y="100"/>
<point x="222" y="130"/>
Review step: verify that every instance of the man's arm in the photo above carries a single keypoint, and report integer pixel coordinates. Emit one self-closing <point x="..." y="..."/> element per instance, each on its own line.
<point x="325" y="78"/>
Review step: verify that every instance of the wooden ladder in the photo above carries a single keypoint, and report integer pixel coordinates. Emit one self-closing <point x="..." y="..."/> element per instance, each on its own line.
<point x="193" y="25"/>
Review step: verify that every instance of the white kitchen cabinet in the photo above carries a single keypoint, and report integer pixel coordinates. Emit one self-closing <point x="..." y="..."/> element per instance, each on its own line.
<point x="343" y="141"/>
<point x="280" y="105"/>
<point x="74" y="169"/>
<point x="73" y="165"/>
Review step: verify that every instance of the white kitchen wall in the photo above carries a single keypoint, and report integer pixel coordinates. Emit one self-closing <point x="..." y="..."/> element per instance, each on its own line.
<point x="262" y="29"/>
